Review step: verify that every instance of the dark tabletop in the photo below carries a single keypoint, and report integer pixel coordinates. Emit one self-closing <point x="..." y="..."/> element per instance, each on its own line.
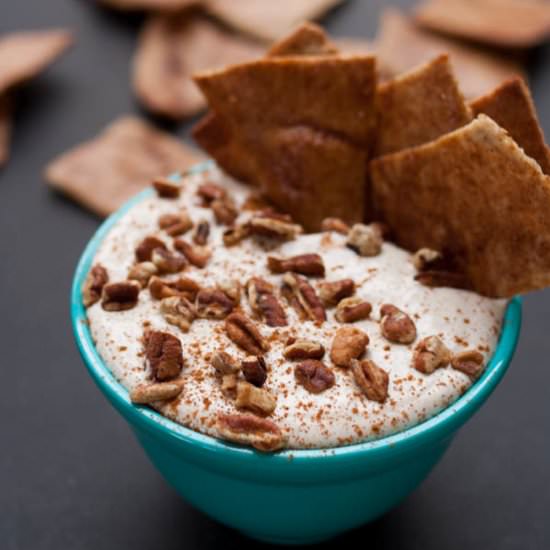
<point x="72" y="474"/>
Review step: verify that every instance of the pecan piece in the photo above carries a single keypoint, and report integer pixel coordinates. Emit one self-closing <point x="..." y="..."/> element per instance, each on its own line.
<point x="145" y="248"/>
<point x="232" y="289"/>
<point x="96" y="279"/>
<point x="469" y="362"/>
<point x="396" y="325"/>
<point x="229" y="385"/>
<point x="120" y="296"/>
<point x="255" y="399"/>
<point x="175" y="224"/>
<point x="426" y="258"/>
<point x="149" y="393"/>
<point x="353" y="309"/>
<point x="430" y="354"/>
<point x="201" y="233"/>
<point x="225" y="363"/>
<point x="365" y="240"/>
<point x="314" y="376"/>
<point x="273" y="228"/>
<point x="332" y="292"/>
<point x="195" y="255"/>
<point x="349" y="343"/>
<point x="335" y="224"/>
<point x="142" y="272"/>
<point x="212" y="303"/>
<point x="163" y="354"/>
<point x="371" y="379"/>
<point x="263" y="302"/>
<point x="210" y="192"/>
<point x="306" y="264"/>
<point x="304" y="349"/>
<point x="306" y="296"/>
<point x="254" y="370"/>
<point x="224" y="211"/>
<point x="178" y="311"/>
<point x="160" y="289"/>
<point x="234" y="235"/>
<point x="167" y="189"/>
<point x="243" y="332"/>
<point x="166" y="261"/>
<point x="248" y="429"/>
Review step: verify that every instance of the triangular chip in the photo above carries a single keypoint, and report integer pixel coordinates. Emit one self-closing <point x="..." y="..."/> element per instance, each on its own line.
<point x="307" y="39"/>
<point x="507" y="23"/>
<point x="286" y="111"/>
<point x="511" y="106"/>
<point x="103" y="173"/>
<point x="153" y="5"/>
<point x="5" y="127"/>
<point x="26" y="54"/>
<point x="419" y="106"/>
<point x="268" y="20"/>
<point x="400" y="46"/>
<point x="174" y="46"/>
<point x="476" y="196"/>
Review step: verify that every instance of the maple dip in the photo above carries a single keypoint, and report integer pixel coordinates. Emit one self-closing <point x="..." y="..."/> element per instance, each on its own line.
<point x="225" y="317"/>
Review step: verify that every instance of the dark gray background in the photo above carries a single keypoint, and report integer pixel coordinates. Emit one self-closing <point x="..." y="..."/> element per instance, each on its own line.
<point x="71" y="473"/>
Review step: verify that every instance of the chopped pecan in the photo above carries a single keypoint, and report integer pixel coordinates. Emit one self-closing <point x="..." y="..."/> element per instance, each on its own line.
<point x="306" y="264"/>
<point x="352" y="309"/>
<point x="225" y="363"/>
<point x="365" y="240"/>
<point x="166" y="188"/>
<point x="234" y="235"/>
<point x="248" y="429"/>
<point x="229" y="384"/>
<point x="225" y="211"/>
<point x="304" y="349"/>
<point x="241" y="330"/>
<point x="443" y="279"/>
<point x="333" y="291"/>
<point x="371" y="379"/>
<point x="196" y="255"/>
<point x="120" y="296"/>
<point x="254" y="370"/>
<point x="335" y="224"/>
<point x="263" y="302"/>
<point x="149" y="393"/>
<point x="93" y="285"/>
<point x="426" y="258"/>
<point x="210" y="192"/>
<point x="201" y="233"/>
<point x="164" y="354"/>
<point x="396" y="325"/>
<point x="469" y="362"/>
<point x="232" y="289"/>
<point x="257" y="400"/>
<point x="145" y="248"/>
<point x="183" y="286"/>
<point x="430" y="354"/>
<point x="273" y="228"/>
<point x="142" y="272"/>
<point x="314" y="376"/>
<point x="178" y="311"/>
<point x="176" y="224"/>
<point x="293" y="302"/>
<point x="349" y="343"/>
<point x="212" y="303"/>
<point x="306" y="296"/>
<point x="166" y="261"/>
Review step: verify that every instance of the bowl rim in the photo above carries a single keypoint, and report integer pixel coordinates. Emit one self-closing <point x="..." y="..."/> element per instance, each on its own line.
<point x="443" y="423"/>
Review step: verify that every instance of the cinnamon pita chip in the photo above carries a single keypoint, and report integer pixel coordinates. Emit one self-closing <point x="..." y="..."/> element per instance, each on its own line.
<point x="400" y="46"/>
<point x="307" y="39"/>
<point x="268" y="20"/>
<point x="419" y="106"/>
<point x="507" y="23"/>
<point x="474" y="195"/>
<point x="103" y="173"/>
<point x="23" y="55"/>
<point x="511" y="106"/>
<point x="171" y="48"/>
<point x="5" y="127"/>
<point x="298" y="118"/>
<point x="152" y="5"/>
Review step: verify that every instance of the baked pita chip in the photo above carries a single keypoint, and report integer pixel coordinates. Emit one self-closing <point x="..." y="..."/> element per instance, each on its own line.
<point x="288" y="111"/>
<point x="5" y="127"/>
<point x="149" y="5"/>
<point x="419" y="106"/>
<point x="103" y="173"/>
<point x="506" y="23"/>
<point x="400" y="46"/>
<point x="474" y="195"/>
<point x="307" y="39"/>
<point x="511" y="106"/>
<point x="174" y="46"/>
<point x="24" y="55"/>
<point x="268" y="20"/>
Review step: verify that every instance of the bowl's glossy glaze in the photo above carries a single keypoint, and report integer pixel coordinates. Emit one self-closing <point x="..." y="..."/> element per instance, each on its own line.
<point x="293" y="496"/>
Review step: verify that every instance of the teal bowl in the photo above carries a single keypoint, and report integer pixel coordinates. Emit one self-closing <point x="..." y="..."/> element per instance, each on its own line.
<point x="291" y="497"/>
